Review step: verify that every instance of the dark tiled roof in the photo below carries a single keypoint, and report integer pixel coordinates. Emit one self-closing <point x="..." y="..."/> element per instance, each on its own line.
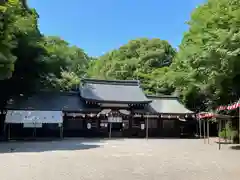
<point x="165" y="104"/>
<point x="55" y="101"/>
<point x="120" y="91"/>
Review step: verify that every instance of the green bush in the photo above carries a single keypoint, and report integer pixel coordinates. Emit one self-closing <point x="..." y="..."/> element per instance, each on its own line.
<point x="228" y="132"/>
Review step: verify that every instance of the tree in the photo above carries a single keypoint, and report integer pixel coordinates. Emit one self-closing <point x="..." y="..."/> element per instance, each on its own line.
<point x="207" y="64"/>
<point x="135" y="60"/>
<point x="7" y="39"/>
<point x="62" y="62"/>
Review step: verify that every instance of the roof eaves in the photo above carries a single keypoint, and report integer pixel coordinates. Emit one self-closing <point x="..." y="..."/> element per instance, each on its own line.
<point x="114" y="82"/>
<point x="118" y="102"/>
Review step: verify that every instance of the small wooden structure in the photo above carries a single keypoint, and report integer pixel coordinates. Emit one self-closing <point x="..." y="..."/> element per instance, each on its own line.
<point x="204" y="119"/>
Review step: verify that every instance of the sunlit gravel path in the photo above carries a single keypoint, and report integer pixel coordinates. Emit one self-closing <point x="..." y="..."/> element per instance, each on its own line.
<point x="120" y="159"/>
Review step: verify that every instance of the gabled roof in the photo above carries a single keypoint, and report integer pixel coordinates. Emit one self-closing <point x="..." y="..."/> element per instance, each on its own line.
<point x="46" y="100"/>
<point x="110" y="91"/>
<point x="167" y="105"/>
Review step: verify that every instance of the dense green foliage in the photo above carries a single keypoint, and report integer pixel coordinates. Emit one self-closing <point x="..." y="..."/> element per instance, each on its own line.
<point x="207" y="64"/>
<point x="29" y="60"/>
<point x="204" y="71"/>
<point x="142" y="59"/>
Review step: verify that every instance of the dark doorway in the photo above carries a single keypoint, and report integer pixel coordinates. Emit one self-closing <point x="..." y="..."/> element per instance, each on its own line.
<point x="117" y="126"/>
<point x="116" y="129"/>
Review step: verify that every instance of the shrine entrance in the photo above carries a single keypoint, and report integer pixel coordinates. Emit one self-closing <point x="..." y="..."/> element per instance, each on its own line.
<point x="115" y="126"/>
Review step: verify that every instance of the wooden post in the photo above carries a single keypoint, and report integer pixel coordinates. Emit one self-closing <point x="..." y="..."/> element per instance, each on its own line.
<point x="225" y="131"/>
<point x="200" y="128"/>
<point x="208" y="130"/>
<point x="147" y="127"/>
<point x="110" y="129"/>
<point x="204" y="130"/>
<point x="239" y="125"/>
<point x="34" y="131"/>
<point x="219" y="130"/>
<point x="9" y="131"/>
<point x="197" y="130"/>
<point x="61" y="131"/>
<point x="4" y="131"/>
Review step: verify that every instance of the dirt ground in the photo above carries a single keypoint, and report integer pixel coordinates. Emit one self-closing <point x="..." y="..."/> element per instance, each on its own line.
<point x="118" y="159"/>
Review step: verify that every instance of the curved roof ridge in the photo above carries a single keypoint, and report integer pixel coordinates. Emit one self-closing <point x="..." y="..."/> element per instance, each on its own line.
<point x="115" y="82"/>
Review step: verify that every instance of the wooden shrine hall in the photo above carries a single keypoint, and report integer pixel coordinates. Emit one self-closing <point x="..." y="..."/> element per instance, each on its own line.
<point x="99" y="108"/>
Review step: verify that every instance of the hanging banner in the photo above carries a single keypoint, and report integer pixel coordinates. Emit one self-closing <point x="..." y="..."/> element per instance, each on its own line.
<point x="137" y="115"/>
<point x="205" y="115"/>
<point x="32" y="125"/>
<point x="151" y="116"/>
<point x="115" y="119"/>
<point x="229" y="107"/>
<point x="75" y="114"/>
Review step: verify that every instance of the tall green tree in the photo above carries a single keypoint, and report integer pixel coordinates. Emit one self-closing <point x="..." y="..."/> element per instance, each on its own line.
<point x="7" y="39"/>
<point x="137" y="59"/>
<point x="207" y="64"/>
<point x="62" y="62"/>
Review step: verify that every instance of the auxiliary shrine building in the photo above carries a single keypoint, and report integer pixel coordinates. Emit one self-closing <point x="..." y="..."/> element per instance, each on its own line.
<point x="100" y="108"/>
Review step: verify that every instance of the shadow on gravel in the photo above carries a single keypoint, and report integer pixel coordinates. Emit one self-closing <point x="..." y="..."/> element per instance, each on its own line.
<point x="224" y="142"/>
<point x="64" y="145"/>
<point x="235" y="147"/>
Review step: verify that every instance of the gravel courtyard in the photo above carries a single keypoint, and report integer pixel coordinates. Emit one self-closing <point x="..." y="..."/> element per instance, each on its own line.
<point x="120" y="159"/>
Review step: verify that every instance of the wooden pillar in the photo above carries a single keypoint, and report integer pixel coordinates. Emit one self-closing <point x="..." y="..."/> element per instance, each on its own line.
<point x="200" y="128"/>
<point x="147" y="127"/>
<point x="61" y="131"/>
<point x="9" y="132"/>
<point x="238" y="125"/>
<point x="34" y="132"/>
<point x="4" y="131"/>
<point x="208" y="130"/>
<point x="158" y="126"/>
<point x="204" y="131"/>
<point x="110" y="129"/>
<point x="219" y="130"/>
<point x="130" y="125"/>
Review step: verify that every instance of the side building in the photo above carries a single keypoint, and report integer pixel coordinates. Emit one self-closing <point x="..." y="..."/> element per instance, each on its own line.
<point x="101" y="108"/>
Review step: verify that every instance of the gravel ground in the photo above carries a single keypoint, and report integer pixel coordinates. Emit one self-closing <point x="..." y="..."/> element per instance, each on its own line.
<point x="128" y="159"/>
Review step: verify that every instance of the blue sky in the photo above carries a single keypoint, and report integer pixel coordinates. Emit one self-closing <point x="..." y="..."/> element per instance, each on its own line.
<point x="98" y="26"/>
